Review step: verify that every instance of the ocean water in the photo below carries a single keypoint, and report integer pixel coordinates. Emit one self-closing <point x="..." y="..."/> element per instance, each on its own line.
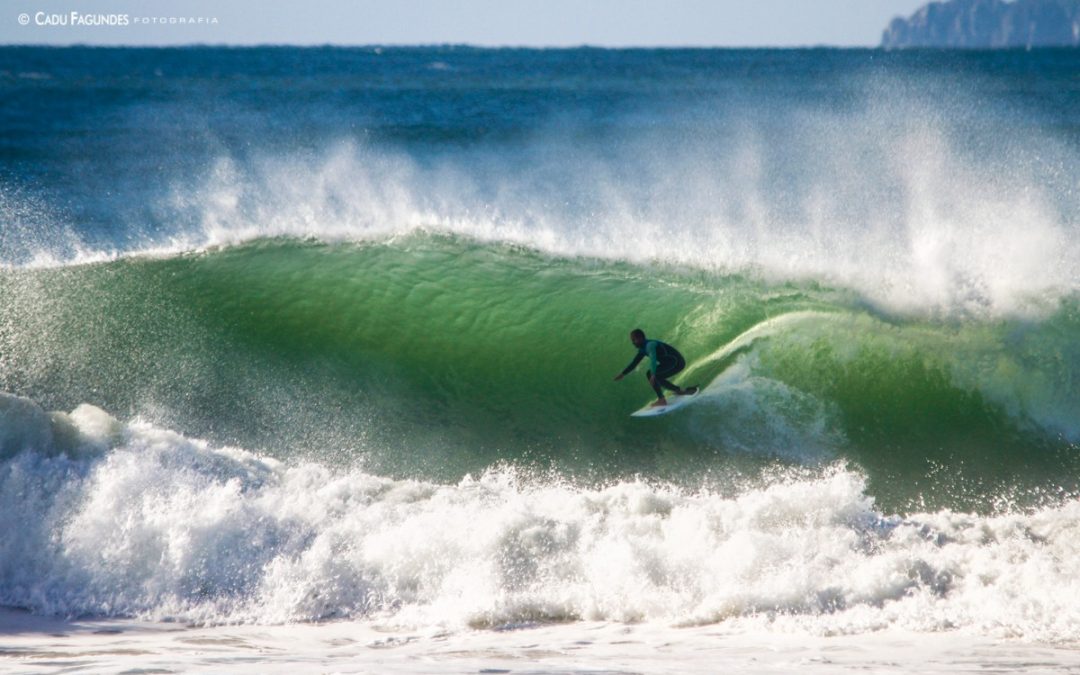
<point x="325" y="338"/>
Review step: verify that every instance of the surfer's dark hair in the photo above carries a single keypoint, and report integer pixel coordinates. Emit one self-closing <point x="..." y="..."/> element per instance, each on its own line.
<point x="637" y="332"/>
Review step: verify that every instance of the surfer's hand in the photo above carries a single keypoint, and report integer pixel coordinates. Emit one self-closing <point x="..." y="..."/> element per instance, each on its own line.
<point x="618" y="377"/>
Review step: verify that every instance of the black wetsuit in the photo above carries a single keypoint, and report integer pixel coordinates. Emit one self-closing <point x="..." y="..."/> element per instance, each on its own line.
<point x="664" y="361"/>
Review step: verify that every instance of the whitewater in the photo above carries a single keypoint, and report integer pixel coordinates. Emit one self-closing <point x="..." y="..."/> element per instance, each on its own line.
<point x="330" y="388"/>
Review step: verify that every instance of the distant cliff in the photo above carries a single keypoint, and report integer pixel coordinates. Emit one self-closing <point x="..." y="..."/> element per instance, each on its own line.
<point x="984" y="24"/>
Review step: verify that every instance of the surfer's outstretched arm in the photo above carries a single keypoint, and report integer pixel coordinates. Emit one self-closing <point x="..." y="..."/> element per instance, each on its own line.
<point x="633" y="364"/>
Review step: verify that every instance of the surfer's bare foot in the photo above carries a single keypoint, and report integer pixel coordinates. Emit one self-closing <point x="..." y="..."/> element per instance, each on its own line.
<point x="660" y="403"/>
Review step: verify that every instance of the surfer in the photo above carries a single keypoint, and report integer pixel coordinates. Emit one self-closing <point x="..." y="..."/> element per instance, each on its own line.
<point x="664" y="361"/>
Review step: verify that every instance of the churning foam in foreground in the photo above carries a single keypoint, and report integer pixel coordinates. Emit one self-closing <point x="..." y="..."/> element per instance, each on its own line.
<point x="114" y="519"/>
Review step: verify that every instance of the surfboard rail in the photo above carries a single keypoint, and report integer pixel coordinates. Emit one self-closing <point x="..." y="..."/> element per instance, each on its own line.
<point x="674" y="402"/>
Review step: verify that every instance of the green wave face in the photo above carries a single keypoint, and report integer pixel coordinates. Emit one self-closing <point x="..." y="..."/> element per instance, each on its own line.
<point x="433" y="356"/>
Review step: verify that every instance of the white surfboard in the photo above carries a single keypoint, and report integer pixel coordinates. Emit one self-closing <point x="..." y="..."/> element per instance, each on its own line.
<point x="674" y="402"/>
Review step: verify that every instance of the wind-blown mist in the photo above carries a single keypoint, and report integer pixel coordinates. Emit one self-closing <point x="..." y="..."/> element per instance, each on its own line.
<point x="882" y="206"/>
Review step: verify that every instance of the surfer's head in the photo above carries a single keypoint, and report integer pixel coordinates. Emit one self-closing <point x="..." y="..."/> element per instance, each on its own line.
<point x="637" y="336"/>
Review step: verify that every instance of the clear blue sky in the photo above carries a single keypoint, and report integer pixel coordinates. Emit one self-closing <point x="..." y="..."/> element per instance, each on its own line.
<point x="723" y="23"/>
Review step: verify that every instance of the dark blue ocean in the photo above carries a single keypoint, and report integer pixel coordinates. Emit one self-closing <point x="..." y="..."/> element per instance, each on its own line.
<point x="303" y="334"/>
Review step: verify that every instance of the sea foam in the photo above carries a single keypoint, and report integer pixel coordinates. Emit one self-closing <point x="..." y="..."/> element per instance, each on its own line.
<point x="160" y="526"/>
